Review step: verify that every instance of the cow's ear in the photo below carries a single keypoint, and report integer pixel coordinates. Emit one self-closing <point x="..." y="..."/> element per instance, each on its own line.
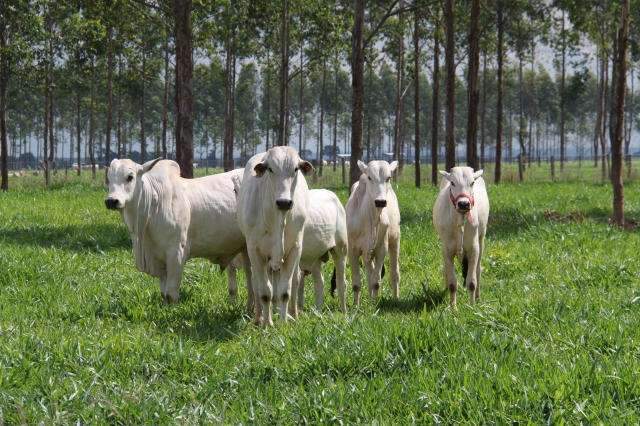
<point x="113" y="162"/>
<point x="477" y="174"/>
<point x="446" y="175"/>
<point x="362" y="166"/>
<point x="305" y="167"/>
<point x="393" y="166"/>
<point x="149" y="165"/>
<point x="260" y="168"/>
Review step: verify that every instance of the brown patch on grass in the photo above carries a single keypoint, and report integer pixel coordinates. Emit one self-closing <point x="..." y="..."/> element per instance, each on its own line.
<point x="554" y="216"/>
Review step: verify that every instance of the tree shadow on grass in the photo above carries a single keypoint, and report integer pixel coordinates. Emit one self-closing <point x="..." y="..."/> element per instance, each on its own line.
<point x="428" y="300"/>
<point x="78" y="238"/>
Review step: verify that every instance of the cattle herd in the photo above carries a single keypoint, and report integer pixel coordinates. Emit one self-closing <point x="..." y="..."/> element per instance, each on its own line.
<point x="264" y="219"/>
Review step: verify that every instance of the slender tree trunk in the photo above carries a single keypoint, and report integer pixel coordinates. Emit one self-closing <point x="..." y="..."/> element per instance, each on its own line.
<point x="335" y="120"/>
<point x="630" y="115"/>
<point x="522" y="124"/>
<point x="300" y="99"/>
<point x="357" y="83"/>
<point x="92" y="122"/>
<point x="184" y="86"/>
<point x="605" y="102"/>
<point x="562" y="94"/>
<point x="483" y="120"/>
<point x="4" y="82"/>
<point x="143" y="139"/>
<point x="397" y="130"/>
<point x="369" y="82"/>
<point x="416" y="92"/>
<point x="473" y="93"/>
<point x="599" y="107"/>
<point x="450" y="145"/>
<point x="500" y="83"/>
<point x="109" y="121"/>
<point x="321" y="136"/>
<point x="229" y="111"/>
<point x="78" y="132"/>
<point x="165" y="97"/>
<point x="284" y="75"/>
<point x="435" y="110"/>
<point x="119" y="124"/>
<point x="620" y="83"/>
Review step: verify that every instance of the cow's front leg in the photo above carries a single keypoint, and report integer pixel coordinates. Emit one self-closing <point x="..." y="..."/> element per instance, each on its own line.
<point x="450" y="276"/>
<point x="394" y="264"/>
<point x="246" y="265"/>
<point x="340" y="263"/>
<point x="478" y="266"/>
<point x="296" y="282"/>
<point x="318" y="285"/>
<point x="378" y="263"/>
<point x="262" y="289"/>
<point x="283" y="289"/>
<point x="163" y="287"/>
<point x="354" y="260"/>
<point x="300" y="300"/>
<point x="175" y="266"/>
<point x="471" y="279"/>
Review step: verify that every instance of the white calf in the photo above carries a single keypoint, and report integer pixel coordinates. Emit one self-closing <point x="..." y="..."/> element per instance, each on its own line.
<point x="373" y="224"/>
<point x="460" y="216"/>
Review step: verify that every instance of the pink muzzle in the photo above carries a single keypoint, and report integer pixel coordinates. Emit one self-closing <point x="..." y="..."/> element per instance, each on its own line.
<point x="454" y="201"/>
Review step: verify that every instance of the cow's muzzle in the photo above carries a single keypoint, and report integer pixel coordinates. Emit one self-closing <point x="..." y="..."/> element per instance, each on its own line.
<point x="284" y="204"/>
<point x="463" y="205"/>
<point x="112" y="203"/>
<point x="380" y="203"/>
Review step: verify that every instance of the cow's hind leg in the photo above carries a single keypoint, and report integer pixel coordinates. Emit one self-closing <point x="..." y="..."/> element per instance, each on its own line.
<point x="289" y="267"/>
<point x="340" y="262"/>
<point x="394" y="263"/>
<point x="450" y="276"/>
<point x="262" y="290"/>
<point x="478" y="267"/>
<point x="354" y="260"/>
<point x="318" y="285"/>
<point x="232" y="283"/>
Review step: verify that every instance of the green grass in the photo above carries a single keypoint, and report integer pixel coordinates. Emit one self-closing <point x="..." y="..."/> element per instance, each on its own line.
<point x="556" y="336"/>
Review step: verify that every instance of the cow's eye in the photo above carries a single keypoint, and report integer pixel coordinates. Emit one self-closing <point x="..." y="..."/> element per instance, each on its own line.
<point x="270" y="169"/>
<point x="473" y="182"/>
<point x="453" y="184"/>
<point x="389" y="179"/>
<point x="129" y="178"/>
<point x="295" y="170"/>
<point x="369" y="177"/>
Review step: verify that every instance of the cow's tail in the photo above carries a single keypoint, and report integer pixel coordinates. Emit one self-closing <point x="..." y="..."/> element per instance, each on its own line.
<point x="333" y="283"/>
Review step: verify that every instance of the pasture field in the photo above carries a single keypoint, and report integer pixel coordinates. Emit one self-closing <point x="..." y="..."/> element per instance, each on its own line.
<point x="556" y="335"/>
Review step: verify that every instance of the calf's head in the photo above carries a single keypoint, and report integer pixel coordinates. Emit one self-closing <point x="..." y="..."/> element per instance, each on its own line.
<point x="282" y="167"/>
<point x="123" y="175"/>
<point x="379" y="175"/>
<point x="461" y="180"/>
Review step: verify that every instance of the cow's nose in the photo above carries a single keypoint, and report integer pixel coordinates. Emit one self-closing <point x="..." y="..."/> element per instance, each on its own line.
<point x="111" y="203"/>
<point x="464" y="205"/>
<point x="284" y="204"/>
<point x="380" y="203"/>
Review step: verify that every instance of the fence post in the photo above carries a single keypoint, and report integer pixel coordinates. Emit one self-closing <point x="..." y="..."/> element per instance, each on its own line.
<point x="553" y="168"/>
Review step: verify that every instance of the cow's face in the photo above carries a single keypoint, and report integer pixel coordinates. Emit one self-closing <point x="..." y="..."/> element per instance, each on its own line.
<point x="461" y="180"/>
<point x="379" y="175"/>
<point x="282" y="167"/>
<point x="123" y="175"/>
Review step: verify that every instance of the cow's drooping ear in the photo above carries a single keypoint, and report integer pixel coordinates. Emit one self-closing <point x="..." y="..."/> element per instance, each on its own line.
<point x="446" y="175"/>
<point x="113" y="162"/>
<point x="393" y="166"/>
<point x="477" y="174"/>
<point x="148" y="165"/>
<point x="362" y="166"/>
<point x="260" y="168"/>
<point x="305" y="167"/>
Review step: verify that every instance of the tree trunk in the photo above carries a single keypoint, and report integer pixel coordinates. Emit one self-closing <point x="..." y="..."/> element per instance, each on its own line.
<point x="397" y="129"/>
<point x="284" y="75"/>
<point x="483" y="119"/>
<point x="78" y="132"/>
<point x="119" y="140"/>
<point x="562" y="94"/>
<point x="110" y="65"/>
<point x="416" y="92"/>
<point x="4" y="82"/>
<point x="229" y="111"/>
<point x="165" y="97"/>
<point x="522" y="124"/>
<point x="184" y="86"/>
<point x="599" y="107"/>
<point x="500" y="83"/>
<point x="357" y="83"/>
<point x="335" y="121"/>
<point x="143" y="139"/>
<point x="321" y="135"/>
<point x="300" y="99"/>
<point x="435" y="110"/>
<point x="92" y="123"/>
<point x="473" y="93"/>
<point x="605" y="101"/>
<point x="450" y="144"/>
<point x="616" y="145"/>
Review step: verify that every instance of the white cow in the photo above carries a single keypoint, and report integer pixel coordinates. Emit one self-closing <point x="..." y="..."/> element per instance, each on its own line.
<point x="460" y="216"/>
<point x="272" y="208"/>
<point x="171" y="219"/>
<point x="325" y="232"/>
<point x="373" y="224"/>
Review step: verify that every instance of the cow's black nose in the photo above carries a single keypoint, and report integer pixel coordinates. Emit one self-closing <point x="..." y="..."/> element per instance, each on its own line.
<point x="380" y="203"/>
<point x="464" y="205"/>
<point x="111" y="203"/>
<point x="284" y="204"/>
